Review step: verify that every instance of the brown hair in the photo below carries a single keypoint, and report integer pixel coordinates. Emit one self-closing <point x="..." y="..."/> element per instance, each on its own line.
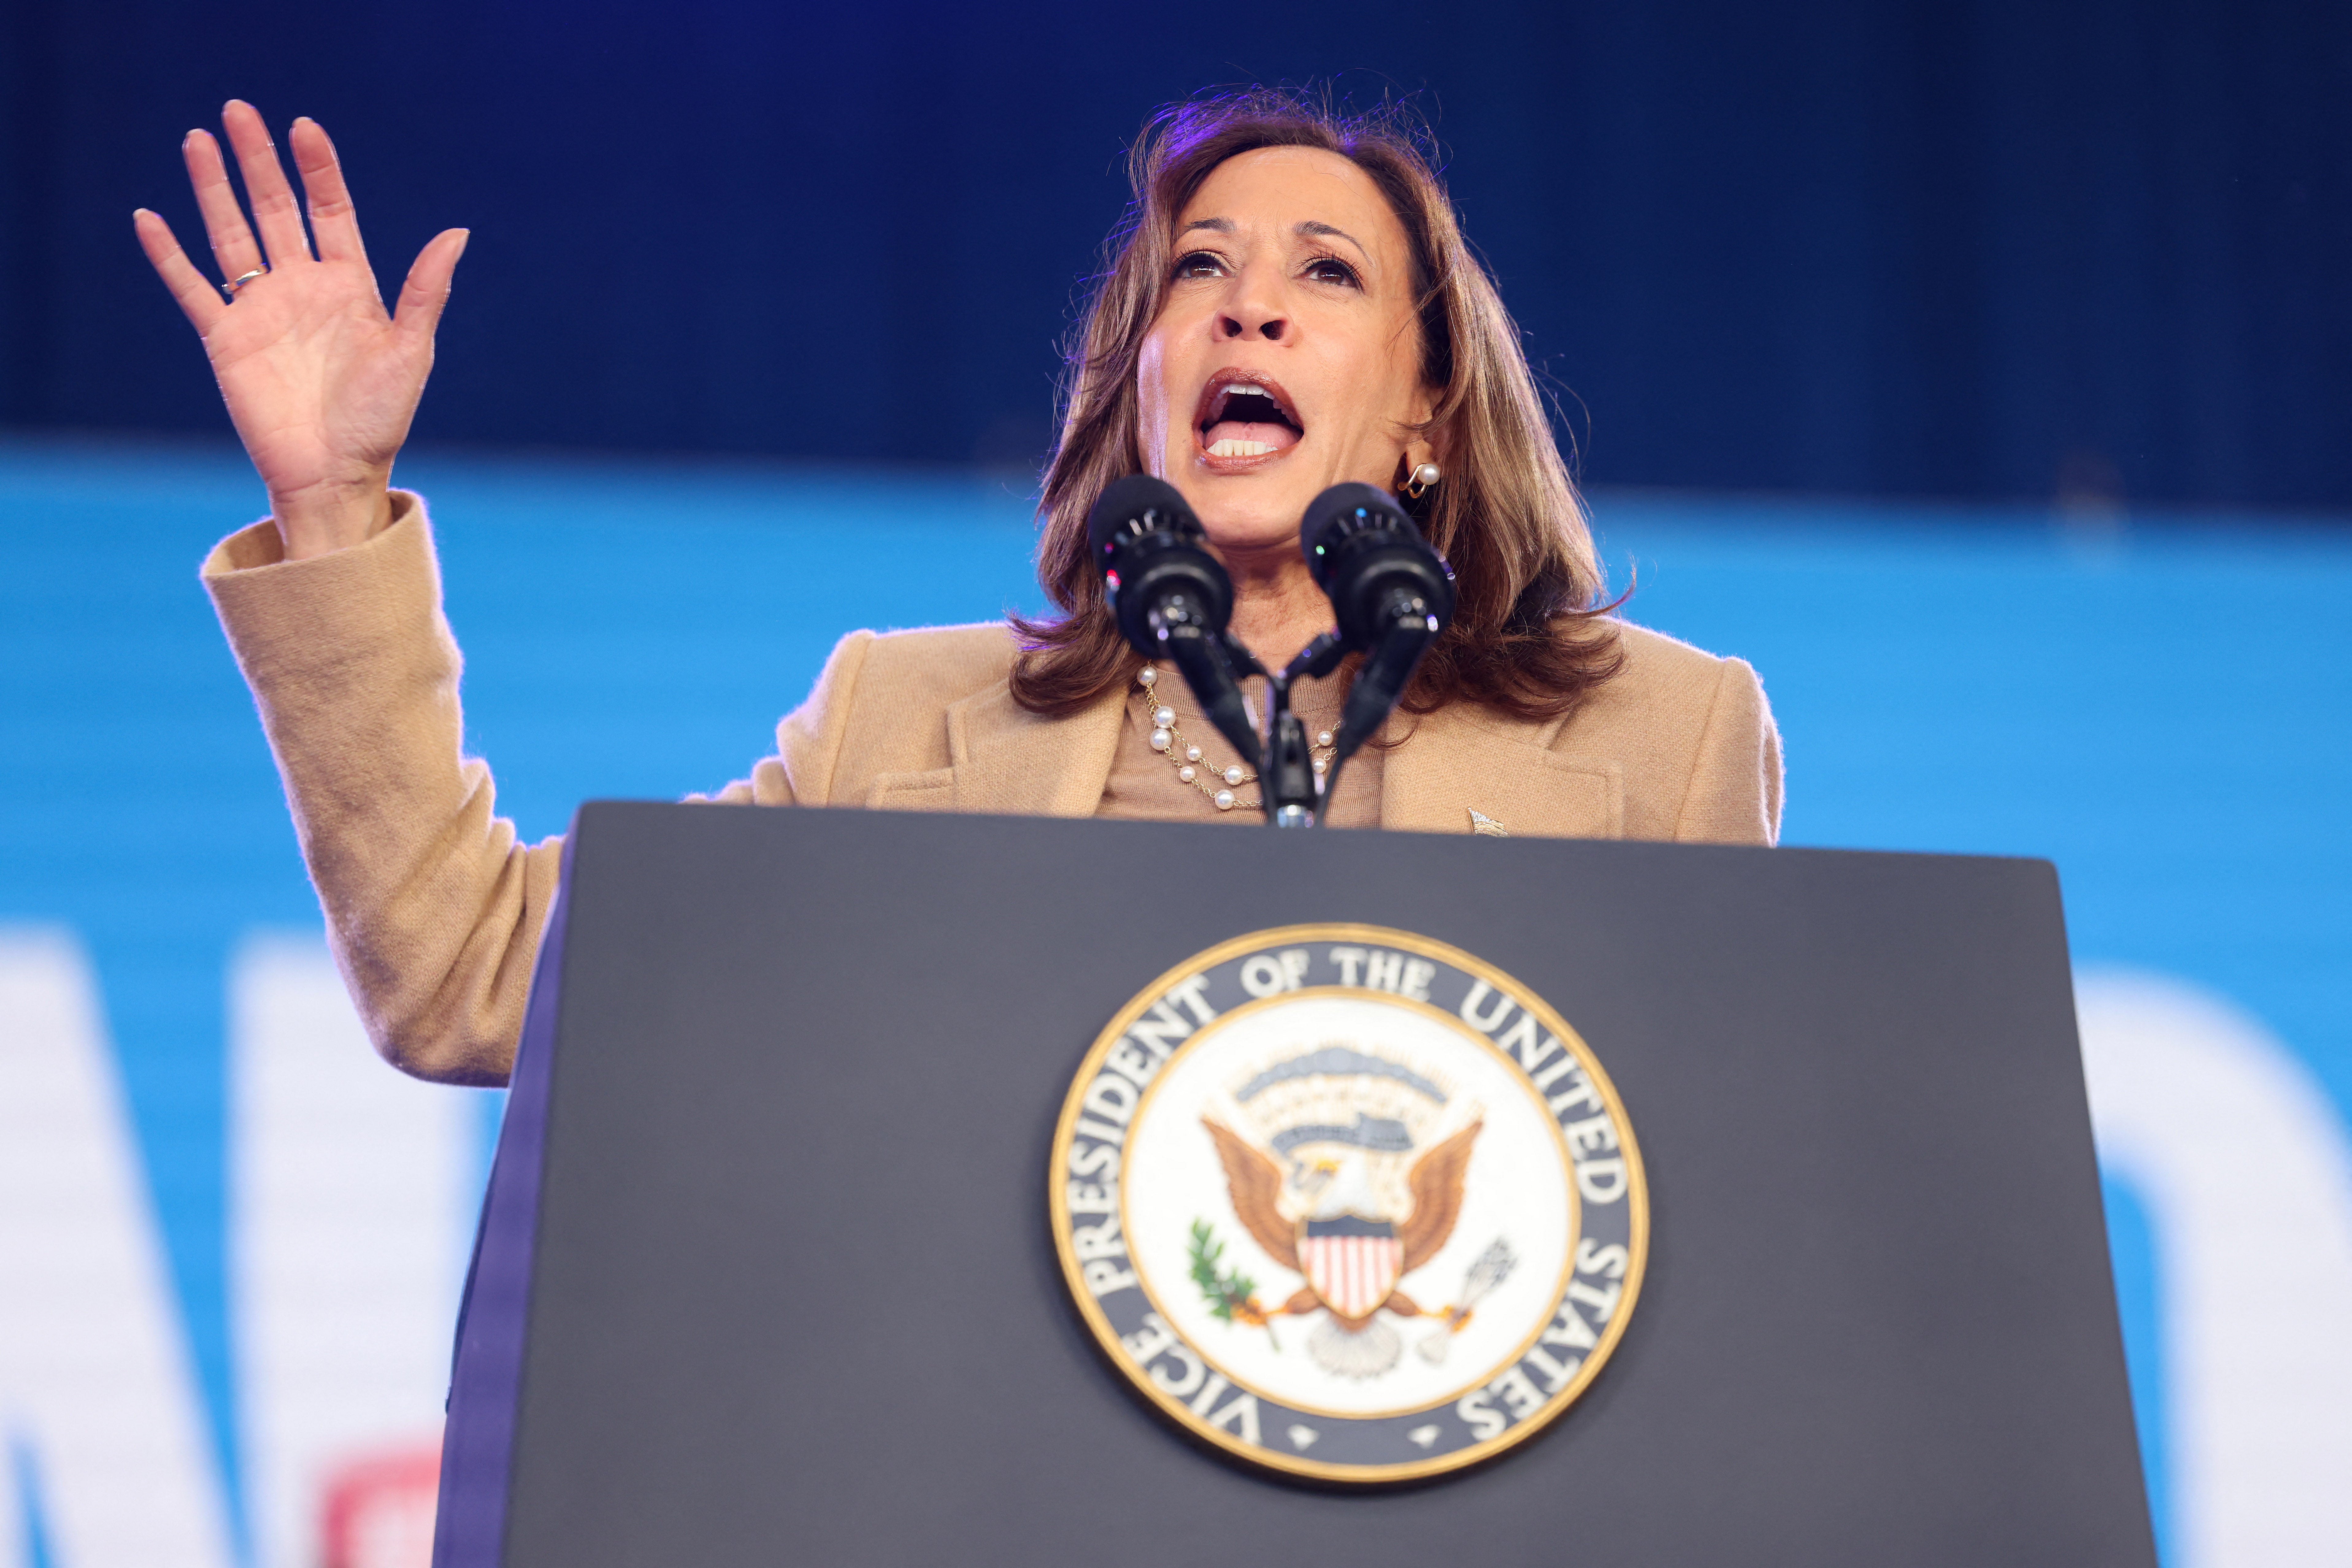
<point x="1526" y="637"/>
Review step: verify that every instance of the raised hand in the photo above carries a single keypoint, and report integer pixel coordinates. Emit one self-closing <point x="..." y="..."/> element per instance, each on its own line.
<point x="320" y="382"/>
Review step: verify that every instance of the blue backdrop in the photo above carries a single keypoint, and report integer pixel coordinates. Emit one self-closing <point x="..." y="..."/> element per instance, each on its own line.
<point x="1985" y="248"/>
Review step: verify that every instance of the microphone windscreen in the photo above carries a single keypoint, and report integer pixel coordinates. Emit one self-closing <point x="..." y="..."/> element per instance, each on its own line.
<point x="1123" y="500"/>
<point x="1346" y="500"/>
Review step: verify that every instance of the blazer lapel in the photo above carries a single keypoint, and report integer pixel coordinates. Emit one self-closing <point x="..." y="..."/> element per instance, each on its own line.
<point x="1459" y="765"/>
<point x="1011" y="762"/>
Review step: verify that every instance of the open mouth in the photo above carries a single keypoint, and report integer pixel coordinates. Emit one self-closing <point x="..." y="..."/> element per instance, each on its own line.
<point x="1243" y="416"/>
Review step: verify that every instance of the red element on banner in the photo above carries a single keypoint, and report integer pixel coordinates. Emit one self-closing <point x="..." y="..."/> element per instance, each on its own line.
<point x="378" y="1508"/>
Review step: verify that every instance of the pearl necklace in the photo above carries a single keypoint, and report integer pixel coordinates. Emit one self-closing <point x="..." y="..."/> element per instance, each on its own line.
<point x="1185" y="757"/>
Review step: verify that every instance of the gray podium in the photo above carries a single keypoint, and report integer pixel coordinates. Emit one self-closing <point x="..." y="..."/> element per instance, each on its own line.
<point x="766" y="1276"/>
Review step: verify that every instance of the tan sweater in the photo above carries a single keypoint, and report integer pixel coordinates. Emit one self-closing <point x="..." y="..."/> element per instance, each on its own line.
<point x="434" y="909"/>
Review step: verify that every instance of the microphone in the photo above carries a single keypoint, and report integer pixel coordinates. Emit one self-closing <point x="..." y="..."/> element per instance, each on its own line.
<point x="1391" y="594"/>
<point x="1171" y="598"/>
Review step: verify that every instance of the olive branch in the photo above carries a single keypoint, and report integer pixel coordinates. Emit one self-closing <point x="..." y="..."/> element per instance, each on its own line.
<point x="1231" y="1294"/>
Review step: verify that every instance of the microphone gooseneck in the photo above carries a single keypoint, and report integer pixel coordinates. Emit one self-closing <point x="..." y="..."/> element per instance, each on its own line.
<point x="1171" y="598"/>
<point x="1391" y="594"/>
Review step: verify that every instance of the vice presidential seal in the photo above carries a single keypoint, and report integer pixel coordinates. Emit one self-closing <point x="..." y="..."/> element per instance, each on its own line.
<point x="1349" y="1203"/>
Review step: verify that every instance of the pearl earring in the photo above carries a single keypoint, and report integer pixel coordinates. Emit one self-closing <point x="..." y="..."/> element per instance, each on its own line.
<point x="1422" y="477"/>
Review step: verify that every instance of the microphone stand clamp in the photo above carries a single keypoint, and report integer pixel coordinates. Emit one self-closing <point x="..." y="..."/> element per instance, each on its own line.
<point x="1288" y="782"/>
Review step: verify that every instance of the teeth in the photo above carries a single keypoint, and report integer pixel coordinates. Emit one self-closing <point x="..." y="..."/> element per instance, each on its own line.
<point x="1243" y="389"/>
<point x="1232" y="449"/>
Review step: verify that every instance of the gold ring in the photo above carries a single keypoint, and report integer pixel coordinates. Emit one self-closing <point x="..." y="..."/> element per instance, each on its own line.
<point x="234" y="284"/>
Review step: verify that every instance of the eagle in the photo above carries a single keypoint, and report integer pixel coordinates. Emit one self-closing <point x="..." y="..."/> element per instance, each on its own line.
<point x="1352" y="1260"/>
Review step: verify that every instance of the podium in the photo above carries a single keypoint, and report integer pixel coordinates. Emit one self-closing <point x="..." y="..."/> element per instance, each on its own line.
<point x="766" y="1274"/>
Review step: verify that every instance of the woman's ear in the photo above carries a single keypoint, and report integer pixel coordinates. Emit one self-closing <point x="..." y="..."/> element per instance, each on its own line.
<point x="1424" y="450"/>
<point x="1423" y="442"/>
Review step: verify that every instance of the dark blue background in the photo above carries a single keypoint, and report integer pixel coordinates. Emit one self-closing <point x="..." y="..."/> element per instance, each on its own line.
<point x="1992" y="247"/>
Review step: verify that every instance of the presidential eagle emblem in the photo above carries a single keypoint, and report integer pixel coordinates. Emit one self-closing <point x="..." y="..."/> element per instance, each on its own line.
<point x="1319" y="1205"/>
<point x="1348" y="1203"/>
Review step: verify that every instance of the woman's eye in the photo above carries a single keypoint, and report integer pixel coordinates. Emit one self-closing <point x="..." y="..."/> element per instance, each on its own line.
<point x="1332" y="269"/>
<point x="1199" y="264"/>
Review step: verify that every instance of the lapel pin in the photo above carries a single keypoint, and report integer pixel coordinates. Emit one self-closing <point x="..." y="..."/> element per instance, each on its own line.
<point x="1486" y="826"/>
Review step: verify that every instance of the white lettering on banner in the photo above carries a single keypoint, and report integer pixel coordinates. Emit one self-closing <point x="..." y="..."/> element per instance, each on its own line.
<point x="2242" y="1161"/>
<point x="351" y="1196"/>
<point x="1094" y="1160"/>
<point x="1097" y="1129"/>
<point x="16" y="1520"/>
<point x="96" y="1386"/>
<point x="1209" y="1391"/>
<point x="1350" y="959"/>
<point x="1384" y="969"/>
<point x="1085" y="1198"/>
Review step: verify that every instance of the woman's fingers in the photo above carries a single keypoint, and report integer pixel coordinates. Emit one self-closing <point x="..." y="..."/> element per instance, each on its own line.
<point x="235" y="251"/>
<point x="333" y="223"/>
<point x="199" y="300"/>
<point x="275" y="211"/>
<point x="428" y="289"/>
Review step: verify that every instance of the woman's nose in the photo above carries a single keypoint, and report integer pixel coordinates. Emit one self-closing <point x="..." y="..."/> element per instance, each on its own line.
<point x="1268" y="327"/>
<point x="1249" y="312"/>
<point x="1250" y="323"/>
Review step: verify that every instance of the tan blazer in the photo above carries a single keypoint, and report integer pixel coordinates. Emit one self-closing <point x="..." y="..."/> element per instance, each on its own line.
<point x="434" y="909"/>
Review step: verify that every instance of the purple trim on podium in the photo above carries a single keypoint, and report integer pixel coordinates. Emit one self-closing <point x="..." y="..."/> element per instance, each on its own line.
<point x="486" y="1376"/>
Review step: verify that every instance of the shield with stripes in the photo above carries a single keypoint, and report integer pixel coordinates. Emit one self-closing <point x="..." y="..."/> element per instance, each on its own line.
<point x="1350" y="1263"/>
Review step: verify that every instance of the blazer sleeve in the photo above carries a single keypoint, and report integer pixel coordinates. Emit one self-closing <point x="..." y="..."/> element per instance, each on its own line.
<point x="1733" y="796"/>
<point x="433" y="908"/>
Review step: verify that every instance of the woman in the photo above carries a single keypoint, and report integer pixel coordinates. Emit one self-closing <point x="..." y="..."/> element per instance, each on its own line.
<point x="1291" y="307"/>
